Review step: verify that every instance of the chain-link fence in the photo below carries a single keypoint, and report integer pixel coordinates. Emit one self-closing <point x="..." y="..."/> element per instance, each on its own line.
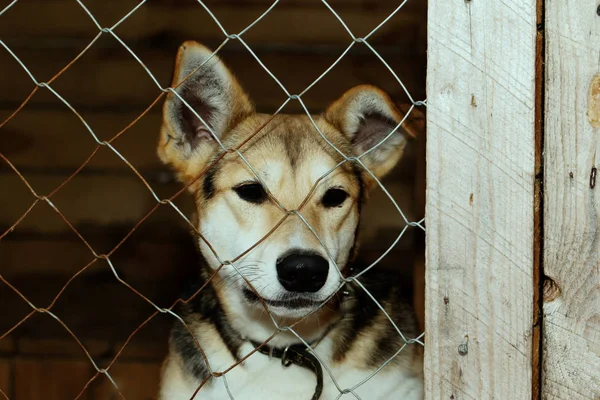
<point x="239" y="150"/>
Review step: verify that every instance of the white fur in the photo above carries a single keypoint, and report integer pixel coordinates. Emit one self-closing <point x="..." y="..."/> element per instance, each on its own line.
<point x="259" y="378"/>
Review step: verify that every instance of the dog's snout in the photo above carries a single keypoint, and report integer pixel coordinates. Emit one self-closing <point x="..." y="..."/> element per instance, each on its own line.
<point x="302" y="271"/>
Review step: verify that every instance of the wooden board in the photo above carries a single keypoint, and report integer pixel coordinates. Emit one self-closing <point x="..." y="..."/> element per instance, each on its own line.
<point x="50" y="379"/>
<point x="95" y="307"/>
<point x="55" y="140"/>
<point x="85" y="200"/>
<point x="480" y="192"/>
<point x="136" y="381"/>
<point x="143" y="259"/>
<point x="5" y="377"/>
<point x="111" y="79"/>
<point x="571" y="332"/>
<point x="285" y="23"/>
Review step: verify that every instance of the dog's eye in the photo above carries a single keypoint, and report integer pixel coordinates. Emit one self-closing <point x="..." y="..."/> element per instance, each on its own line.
<point x="334" y="197"/>
<point x="251" y="192"/>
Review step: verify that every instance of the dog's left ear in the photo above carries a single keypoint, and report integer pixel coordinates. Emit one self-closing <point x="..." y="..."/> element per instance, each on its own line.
<point x="367" y="115"/>
<point x="207" y="89"/>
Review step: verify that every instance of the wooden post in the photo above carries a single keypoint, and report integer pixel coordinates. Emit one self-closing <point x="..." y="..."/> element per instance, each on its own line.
<point x="480" y="199"/>
<point x="571" y="329"/>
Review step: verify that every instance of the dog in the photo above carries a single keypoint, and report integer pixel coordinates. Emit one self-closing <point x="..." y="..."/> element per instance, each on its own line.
<point x="295" y="276"/>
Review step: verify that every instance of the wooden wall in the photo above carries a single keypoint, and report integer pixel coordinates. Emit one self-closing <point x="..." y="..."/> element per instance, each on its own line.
<point x="571" y="320"/>
<point x="480" y="199"/>
<point x="513" y="267"/>
<point x="46" y="142"/>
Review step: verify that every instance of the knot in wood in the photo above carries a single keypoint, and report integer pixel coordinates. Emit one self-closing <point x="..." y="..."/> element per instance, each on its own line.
<point x="551" y="291"/>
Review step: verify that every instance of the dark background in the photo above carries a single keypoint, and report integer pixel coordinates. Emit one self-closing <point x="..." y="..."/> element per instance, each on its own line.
<point x="47" y="143"/>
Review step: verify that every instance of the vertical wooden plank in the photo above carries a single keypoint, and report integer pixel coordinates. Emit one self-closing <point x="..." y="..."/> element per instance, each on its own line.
<point x="480" y="199"/>
<point x="571" y="331"/>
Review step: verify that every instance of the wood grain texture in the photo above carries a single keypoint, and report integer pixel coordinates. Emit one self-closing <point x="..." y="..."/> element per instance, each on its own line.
<point x="51" y="379"/>
<point x="5" y="378"/>
<point x="107" y="77"/>
<point x="136" y="381"/>
<point x="571" y="358"/>
<point x="480" y="197"/>
<point x="190" y="20"/>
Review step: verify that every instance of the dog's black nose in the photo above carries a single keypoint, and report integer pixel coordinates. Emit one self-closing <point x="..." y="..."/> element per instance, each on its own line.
<point x="301" y="271"/>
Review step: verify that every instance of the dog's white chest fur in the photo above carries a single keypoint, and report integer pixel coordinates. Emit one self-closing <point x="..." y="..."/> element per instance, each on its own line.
<point x="261" y="378"/>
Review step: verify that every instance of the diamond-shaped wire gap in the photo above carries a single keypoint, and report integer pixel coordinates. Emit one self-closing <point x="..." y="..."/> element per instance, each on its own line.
<point x="157" y="28"/>
<point x="91" y="314"/>
<point x="48" y="327"/>
<point x="14" y="109"/>
<point x="104" y="199"/>
<point x="296" y="70"/>
<point x="94" y="316"/>
<point x="148" y="69"/>
<point x="159" y="256"/>
<point x="55" y="93"/>
<point x="285" y="26"/>
<point x="42" y="253"/>
<point x="30" y="28"/>
<point x="359" y="66"/>
<point x="373" y="32"/>
<point x="47" y="141"/>
<point x="106" y="80"/>
<point x="112" y="31"/>
<point x="390" y="22"/>
<point x="131" y="146"/>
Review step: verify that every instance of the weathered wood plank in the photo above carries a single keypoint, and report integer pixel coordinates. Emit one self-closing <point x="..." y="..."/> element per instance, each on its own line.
<point x="282" y="25"/>
<point x="480" y="192"/>
<point x="571" y="367"/>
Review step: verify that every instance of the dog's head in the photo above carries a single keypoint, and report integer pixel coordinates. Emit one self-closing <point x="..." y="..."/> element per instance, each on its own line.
<point x="292" y="269"/>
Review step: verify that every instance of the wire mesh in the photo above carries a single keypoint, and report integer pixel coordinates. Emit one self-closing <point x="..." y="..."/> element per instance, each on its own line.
<point x="169" y="202"/>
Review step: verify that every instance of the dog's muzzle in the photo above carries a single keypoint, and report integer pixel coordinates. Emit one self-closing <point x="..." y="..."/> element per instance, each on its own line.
<point x="302" y="271"/>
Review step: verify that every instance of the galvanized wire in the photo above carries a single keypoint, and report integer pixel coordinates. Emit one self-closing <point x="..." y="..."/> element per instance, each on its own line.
<point x="37" y="198"/>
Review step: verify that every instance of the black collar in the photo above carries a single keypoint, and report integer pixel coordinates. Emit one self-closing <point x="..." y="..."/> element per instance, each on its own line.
<point x="296" y="354"/>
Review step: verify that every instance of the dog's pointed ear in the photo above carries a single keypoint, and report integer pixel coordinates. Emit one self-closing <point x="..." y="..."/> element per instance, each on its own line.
<point x="367" y="115"/>
<point x="208" y="87"/>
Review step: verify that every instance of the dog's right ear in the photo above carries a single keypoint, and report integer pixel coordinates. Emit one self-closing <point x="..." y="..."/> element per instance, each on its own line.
<point x="187" y="142"/>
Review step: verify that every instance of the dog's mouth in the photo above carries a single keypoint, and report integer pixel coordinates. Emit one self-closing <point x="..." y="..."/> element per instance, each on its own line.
<point x="292" y="302"/>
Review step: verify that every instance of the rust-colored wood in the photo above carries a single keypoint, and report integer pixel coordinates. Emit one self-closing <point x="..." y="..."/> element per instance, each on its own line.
<point x="136" y="381"/>
<point x="285" y="23"/>
<point x="50" y="379"/>
<point x="6" y="377"/>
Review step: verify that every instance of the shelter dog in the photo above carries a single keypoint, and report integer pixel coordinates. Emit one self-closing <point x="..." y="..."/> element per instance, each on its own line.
<point x="293" y="271"/>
